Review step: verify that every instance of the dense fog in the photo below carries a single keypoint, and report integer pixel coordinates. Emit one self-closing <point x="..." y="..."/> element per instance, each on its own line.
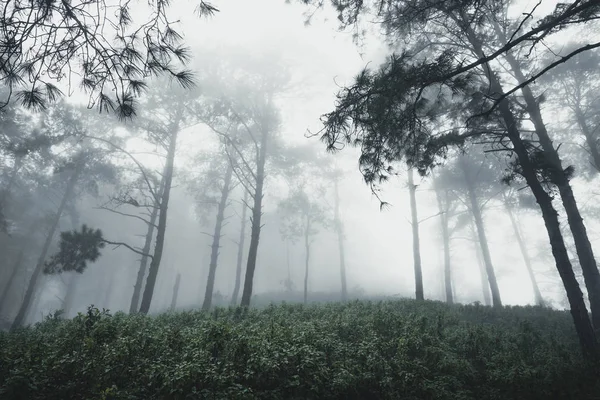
<point x="251" y="123"/>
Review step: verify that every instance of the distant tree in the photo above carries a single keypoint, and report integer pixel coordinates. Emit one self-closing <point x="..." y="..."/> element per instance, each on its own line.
<point x="75" y="168"/>
<point x="211" y="190"/>
<point x="412" y="190"/>
<point x="576" y="85"/>
<point x="163" y="124"/>
<point x="302" y="218"/>
<point x="240" y="252"/>
<point x="248" y="105"/>
<point x="446" y="207"/>
<point x="336" y="176"/>
<point x="511" y="207"/>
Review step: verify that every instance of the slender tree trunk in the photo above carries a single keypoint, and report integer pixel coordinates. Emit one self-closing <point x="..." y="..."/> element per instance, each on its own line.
<point x="175" y="292"/>
<point x="585" y="253"/>
<point x="67" y="305"/>
<point x="109" y="289"/>
<point x="17" y="264"/>
<point x="539" y="300"/>
<point x="412" y="188"/>
<point x="289" y="264"/>
<point x="579" y="313"/>
<point x="33" y="281"/>
<point x="74" y="277"/>
<point x="307" y="253"/>
<point x="485" y="286"/>
<point x="240" y="255"/>
<point x="139" y="281"/>
<point x="162" y="223"/>
<point x="255" y="221"/>
<point x="443" y="206"/>
<point x="590" y="138"/>
<point x="214" y="254"/>
<point x="5" y="193"/>
<point x="339" y="230"/>
<point x="11" y="279"/>
<point x="485" y="249"/>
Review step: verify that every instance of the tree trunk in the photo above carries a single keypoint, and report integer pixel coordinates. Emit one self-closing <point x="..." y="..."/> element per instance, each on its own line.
<point x="33" y="281"/>
<point x="485" y="286"/>
<point x="585" y="253"/>
<point x="443" y="207"/>
<point x="240" y="255"/>
<point x="162" y="223"/>
<point x="175" y="292"/>
<point x="485" y="249"/>
<point x="590" y="138"/>
<point x="11" y="279"/>
<point x="139" y="281"/>
<point x="307" y="252"/>
<point x="339" y="230"/>
<point x="412" y="188"/>
<point x="67" y="305"/>
<point x="539" y="300"/>
<point x="74" y="277"/>
<point x="579" y="313"/>
<point x="214" y="254"/>
<point x="255" y="221"/>
<point x="109" y="289"/>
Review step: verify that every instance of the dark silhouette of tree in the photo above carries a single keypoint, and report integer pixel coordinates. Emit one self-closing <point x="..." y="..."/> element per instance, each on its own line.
<point x="93" y="43"/>
<point x="211" y="191"/>
<point x="414" y="222"/>
<point x="240" y="253"/>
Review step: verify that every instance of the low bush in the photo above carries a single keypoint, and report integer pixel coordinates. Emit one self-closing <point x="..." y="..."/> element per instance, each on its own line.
<point x="358" y="350"/>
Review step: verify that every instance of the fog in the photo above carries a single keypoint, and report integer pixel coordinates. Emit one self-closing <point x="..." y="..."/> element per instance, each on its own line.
<point x="272" y="40"/>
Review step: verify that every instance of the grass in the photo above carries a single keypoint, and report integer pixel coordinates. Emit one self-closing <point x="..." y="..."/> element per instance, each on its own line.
<point x="358" y="350"/>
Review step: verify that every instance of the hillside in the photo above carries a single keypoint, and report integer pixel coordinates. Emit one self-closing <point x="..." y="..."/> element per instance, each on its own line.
<point x="359" y="350"/>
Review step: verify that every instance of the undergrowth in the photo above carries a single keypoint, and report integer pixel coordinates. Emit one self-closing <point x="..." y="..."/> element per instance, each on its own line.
<point x="360" y="350"/>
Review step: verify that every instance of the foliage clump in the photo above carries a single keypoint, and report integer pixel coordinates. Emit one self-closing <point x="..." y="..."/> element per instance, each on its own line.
<point x="359" y="350"/>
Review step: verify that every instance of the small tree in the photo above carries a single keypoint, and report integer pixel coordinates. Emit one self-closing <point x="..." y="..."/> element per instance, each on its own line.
<point x="302" y="219"/>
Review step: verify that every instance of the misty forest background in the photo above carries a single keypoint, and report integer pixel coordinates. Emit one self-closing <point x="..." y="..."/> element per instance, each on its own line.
<point x="206" y="160"/>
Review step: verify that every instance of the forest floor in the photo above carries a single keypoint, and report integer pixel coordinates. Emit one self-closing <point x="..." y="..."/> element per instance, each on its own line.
<point x="400" y="349"/>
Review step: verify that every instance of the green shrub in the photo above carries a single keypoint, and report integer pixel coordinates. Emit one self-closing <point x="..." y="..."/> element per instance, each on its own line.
<point x="359" y="350"/>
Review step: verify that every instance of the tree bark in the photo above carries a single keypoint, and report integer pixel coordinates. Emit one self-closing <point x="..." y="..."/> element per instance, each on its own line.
<point x="162" y="223"/>
<point x="255" y="220"/>
<point x="443" y="207"/>
<point x="539" y="300"/>
<point x="585" y="253"/>
<point x="214" y="254"/>
<point x="240" y="255"/>
<point x="175" y="292"/>
<point x="485" y="249"/>
<point x="33" y="281"/>
<point x="412" y="188"/>
<point x="139" y="281"/>
<point x="339" y="230"/>
<point x="579" y="313"/>
<point x="307" y="254"/>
